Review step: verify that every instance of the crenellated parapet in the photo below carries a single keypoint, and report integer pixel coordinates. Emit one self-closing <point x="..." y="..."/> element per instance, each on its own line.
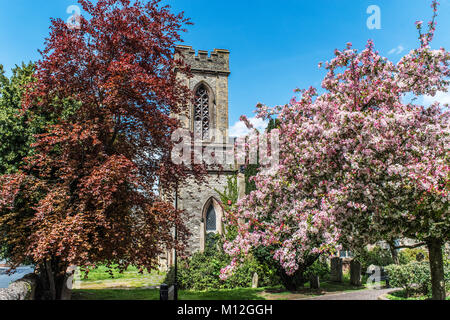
<point x="216" y="62"/>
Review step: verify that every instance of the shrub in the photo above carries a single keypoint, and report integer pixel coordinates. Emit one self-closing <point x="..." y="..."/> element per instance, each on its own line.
<point x="244" y="274"/>
<point x="319" y="268"/>
<point x="377" y="256"/>
<point x="447" y="274"/>
<point x="202" y="270"/>
<point x="412" y="277"/>
<point x="410" y="255"/>
<point x="447" y="251"/>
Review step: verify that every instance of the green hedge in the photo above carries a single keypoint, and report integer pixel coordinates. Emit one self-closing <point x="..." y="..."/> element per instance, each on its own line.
<point x="415" y="277"/>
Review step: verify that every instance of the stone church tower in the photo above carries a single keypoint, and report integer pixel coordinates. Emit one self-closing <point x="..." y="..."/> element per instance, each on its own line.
<point x="209" y="84"/>
<point x="210" y="87"/>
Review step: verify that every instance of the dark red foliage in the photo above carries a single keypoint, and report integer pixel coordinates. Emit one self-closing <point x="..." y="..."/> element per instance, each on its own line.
<point x="90" y="194"/>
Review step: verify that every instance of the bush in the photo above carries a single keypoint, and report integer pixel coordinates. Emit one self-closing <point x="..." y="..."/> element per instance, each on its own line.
<point x="415" y="277"/>
<point x="412" y="277"/>
<point x="447" y="275"/>
<point x="202" y="270"/>
<point x="410" y="255"/>
<point x="319" y="268"/>
<point x="377" y="256"/>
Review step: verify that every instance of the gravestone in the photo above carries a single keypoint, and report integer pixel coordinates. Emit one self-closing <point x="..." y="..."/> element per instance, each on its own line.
<point x="355" y="273"/>
<point x="336" y="269"/>
<point x="255" y="280"/>
<point x="314" y="282"/>
<point x="171" y="293"/>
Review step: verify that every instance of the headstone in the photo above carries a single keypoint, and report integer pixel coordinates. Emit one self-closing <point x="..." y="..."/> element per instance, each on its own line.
<point x="355" y="273"/>
<point x="171" y="293"/>
<point x="336" y="269"/>
<point x="314" y="282"/>
<point x="255" y="280"/>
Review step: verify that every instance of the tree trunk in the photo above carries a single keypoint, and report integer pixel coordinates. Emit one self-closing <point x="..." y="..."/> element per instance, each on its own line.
<point x="437" y="269"/>
<point x="394" y="252"/>
<point x="294" y="282"/>
<point x="298" y="279"/>
<point x="53" y="278"/>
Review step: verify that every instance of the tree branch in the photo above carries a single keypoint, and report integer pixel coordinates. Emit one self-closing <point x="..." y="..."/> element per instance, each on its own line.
<point x="411" y="246"/>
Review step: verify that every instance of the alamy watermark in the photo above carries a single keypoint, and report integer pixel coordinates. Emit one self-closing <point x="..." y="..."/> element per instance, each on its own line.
<point x="374" y="20"/>
<point x="74" y="21"/>
<point x="256" y="148"/>
<point x="375" y="277"/>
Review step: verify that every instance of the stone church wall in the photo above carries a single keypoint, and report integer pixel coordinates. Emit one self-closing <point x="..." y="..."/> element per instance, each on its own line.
<point x="195" y="198"/>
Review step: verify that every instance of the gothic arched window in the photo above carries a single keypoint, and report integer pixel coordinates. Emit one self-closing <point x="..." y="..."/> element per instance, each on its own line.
<point x="211" y="224"/>
<point x="201" y="113"/>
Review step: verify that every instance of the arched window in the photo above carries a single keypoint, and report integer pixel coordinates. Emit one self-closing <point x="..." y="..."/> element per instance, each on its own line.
<point x="201" y="113"/>
<point x="211" y="224"/>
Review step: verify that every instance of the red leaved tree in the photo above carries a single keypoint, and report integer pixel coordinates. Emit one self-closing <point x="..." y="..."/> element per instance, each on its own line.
<point x="90" y="192"/>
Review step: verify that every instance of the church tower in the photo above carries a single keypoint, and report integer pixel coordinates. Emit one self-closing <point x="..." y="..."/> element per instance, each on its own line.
<point x="210" y="87"/>
<point x="208" y="112"/>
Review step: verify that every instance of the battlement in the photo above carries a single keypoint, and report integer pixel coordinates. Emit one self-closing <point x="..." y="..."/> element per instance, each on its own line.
<point x="215" y="62"/>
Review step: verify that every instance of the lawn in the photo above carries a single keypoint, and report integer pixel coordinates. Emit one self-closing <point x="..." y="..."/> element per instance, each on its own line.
<point x="153" y="294"/>
<point x="223" y="294"/>
<point x="400" y="295"/>
<point x="132" y="285"/>
<point x="104" y="278"/>
<point x="104" y="273"/>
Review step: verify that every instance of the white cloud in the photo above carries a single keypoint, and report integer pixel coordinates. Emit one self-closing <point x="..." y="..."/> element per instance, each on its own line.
<point x="441" y="97"/>
<point x="239" y="129"/>
<point x="399" y="49"/>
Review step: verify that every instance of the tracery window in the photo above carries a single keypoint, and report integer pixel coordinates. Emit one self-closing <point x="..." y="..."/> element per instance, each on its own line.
<point x="201" y="113"/>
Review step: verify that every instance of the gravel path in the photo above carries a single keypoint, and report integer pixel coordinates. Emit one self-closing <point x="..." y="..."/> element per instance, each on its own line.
<point x="369" y="294"/>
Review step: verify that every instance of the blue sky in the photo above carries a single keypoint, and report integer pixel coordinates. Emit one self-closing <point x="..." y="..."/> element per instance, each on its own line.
<point x="275" y="45"/>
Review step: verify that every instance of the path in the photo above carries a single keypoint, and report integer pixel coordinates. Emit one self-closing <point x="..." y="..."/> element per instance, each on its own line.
<point x="369" y="294"/>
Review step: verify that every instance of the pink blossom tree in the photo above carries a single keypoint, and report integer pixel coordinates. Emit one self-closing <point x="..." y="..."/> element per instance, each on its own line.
<point x="358" y="163"/>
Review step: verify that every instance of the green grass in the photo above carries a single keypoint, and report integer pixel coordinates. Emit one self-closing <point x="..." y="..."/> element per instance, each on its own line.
<point x="225" y="294"/>
<point x="105" y="278"/>
<point x="153" y="294"/>
<point x="104" y="273"/>
<point x="115" y="294"/>
<point x="336" y="286"/>
<point x="275" y="293"/>
<point x="132" y="285"/>
<point x="400" y="295"/>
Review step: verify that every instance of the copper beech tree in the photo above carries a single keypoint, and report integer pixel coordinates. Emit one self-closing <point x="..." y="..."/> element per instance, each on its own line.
<point x="89" y="194"/>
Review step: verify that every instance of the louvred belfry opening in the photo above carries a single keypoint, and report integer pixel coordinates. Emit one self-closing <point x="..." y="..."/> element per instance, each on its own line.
<point x="201" y="115"/>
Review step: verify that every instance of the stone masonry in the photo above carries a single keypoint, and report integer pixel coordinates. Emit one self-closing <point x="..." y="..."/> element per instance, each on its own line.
<point x="213" y="71"/>
<point x="210" y="70"/>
